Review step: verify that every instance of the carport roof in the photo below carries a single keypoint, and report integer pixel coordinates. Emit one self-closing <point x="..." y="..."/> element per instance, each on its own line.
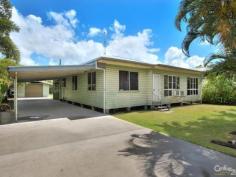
<point x="37" y="73"/>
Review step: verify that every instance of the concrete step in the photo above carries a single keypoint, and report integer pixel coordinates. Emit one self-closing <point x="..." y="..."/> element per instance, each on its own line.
<point x="163" y="110"/>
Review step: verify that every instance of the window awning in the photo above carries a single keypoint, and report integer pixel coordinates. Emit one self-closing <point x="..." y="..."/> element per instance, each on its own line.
<point x="37" y="73"/>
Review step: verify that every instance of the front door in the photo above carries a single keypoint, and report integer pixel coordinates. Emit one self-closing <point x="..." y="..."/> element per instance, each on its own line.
<point x="156" y="91"/>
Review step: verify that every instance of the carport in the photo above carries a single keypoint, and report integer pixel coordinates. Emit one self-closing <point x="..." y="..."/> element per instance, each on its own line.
<point x="39" y="73"/>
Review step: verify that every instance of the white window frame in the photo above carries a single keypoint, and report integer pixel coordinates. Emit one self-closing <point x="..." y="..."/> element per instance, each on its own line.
<point x="91" y="86"/>
<point x="194" y="86"/>
<point x="171" y="89"/>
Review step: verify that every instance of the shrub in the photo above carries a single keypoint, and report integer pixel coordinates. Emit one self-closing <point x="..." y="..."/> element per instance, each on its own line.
<point x="219" y="89"/>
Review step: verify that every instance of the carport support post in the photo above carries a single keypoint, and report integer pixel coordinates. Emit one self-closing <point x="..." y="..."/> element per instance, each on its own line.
<point x="15" y="96"/>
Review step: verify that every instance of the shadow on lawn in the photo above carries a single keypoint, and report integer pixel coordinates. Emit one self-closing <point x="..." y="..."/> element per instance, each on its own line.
<point x="216" y="126"/>
<point x="165" y="156"/>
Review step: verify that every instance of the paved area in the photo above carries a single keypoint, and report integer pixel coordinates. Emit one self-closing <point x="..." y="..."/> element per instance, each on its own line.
<point x="100" y="147"/>
<point x="48" y="109"/>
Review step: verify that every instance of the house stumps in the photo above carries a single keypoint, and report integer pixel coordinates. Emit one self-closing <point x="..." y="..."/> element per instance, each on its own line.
<point x="106" y="111"/>
<point x="128" y="109"/>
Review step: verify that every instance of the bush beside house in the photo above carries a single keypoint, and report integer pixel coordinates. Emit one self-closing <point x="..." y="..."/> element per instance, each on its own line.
<point x="219" y="89"/>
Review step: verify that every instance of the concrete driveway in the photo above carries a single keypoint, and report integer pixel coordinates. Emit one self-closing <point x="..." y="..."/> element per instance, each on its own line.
<point x="100" y="147"/>
<point x="49" y="109"/>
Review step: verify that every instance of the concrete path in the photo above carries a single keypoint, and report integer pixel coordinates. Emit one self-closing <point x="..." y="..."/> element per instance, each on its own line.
<point x="100" y="147"/>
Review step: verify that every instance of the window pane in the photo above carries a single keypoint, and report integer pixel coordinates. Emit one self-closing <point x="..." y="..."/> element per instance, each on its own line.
<point x="89" y="78"/>
<point x="188" y="85"/>
<point x="170" y="92"/>
<point x="178" y="83"/>
<point x="188" y="92"/>
<point x="170" y="79"/>
<point x="93" y="77"/>
<point x="74" y="82"/>
<point x="174" y="78"/>
<point x="165" y="92"/>
<point x="133" y="81"/>
<point x="123" y="80"/>
<point x="196" y="83"/>
<point x="165" y="82"/>
<point x="93" y="87"/>
<point x="174" y="85"/>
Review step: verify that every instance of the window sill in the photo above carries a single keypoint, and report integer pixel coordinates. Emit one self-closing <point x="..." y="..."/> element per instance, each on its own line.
<point x="125" y="91"/>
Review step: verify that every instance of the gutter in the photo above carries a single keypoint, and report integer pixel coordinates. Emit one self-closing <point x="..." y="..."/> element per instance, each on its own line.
<point x="104" y="86"/>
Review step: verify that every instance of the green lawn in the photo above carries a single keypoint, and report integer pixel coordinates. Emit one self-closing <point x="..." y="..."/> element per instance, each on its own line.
<point x="197" y="124"/>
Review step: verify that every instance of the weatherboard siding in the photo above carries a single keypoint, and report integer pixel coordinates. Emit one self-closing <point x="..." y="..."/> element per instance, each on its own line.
<point x="116" y="98"/>
<point x="82" y="95"/>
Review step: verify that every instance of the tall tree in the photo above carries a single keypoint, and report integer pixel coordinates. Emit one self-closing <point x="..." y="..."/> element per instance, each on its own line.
<point x="7" y="47"/>
<point x="210" y="20"/>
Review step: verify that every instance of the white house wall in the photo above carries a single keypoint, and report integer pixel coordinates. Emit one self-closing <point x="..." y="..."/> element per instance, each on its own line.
<point x="119" y="99"/>
<point x="82" y="95"/>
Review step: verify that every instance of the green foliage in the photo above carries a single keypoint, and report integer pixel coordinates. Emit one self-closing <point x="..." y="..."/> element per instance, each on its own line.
<point x="226" y="67"/>
<point x="211" y="20"/>
<point x="4" y="76"/>
<point x="219" y="89"/>
<point x="7" y="47"/>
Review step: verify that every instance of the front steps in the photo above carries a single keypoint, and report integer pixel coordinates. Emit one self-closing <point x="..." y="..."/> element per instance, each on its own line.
<point x="160" y="107"/>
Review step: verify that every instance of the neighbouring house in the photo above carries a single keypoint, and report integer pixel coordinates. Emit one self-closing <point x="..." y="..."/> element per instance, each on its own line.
<point x="33" y="89"/>
<point x="110" y="83"/>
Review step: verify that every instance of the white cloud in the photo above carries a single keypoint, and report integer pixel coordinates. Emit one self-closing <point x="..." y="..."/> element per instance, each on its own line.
<point x="93" y="31"/>
<point x="71" y="15"/>
<point x="204" y="43"/>
<point x="175" y="57"/>
<point x="67" y="19"/>
<point x="59" y="41"/>
<point x="135" y="47"/>
<point x="118" y="29"/>
<point x="54" y="42"/>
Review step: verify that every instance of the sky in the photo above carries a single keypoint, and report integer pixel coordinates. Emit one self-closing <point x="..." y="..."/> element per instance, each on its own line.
<point x="77" y="31"/>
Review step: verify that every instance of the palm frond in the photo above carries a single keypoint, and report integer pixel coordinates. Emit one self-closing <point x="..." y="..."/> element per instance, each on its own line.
<point x="183" y="11"/>
<point x="214" y="57"/>
<point x="190" y="37"/>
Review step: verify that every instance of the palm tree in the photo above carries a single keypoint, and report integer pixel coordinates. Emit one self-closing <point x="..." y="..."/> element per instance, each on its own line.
<point x="210" y="20"/>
